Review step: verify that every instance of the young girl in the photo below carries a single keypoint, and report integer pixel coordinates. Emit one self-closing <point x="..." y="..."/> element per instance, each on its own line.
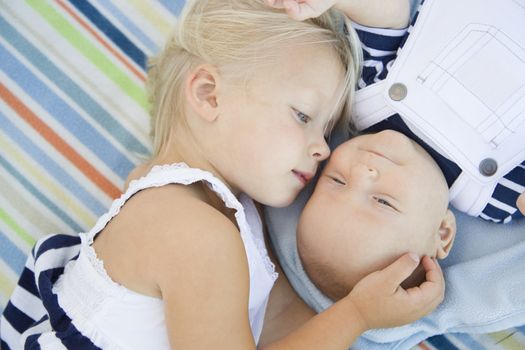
<point x="242" y="99"/>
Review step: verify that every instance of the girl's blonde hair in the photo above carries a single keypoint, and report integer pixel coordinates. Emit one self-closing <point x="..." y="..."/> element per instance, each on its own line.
<point x="239" y="34"/>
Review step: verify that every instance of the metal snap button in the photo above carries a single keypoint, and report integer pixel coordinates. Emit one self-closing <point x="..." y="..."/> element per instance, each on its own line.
<point x="397" y="92"/>
<point x="488" y="167"/>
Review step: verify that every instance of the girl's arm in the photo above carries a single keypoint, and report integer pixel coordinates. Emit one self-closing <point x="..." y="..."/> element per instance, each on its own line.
<point x="195" y="255"/>
<point x="371" y="13"/>
<point x="286" y="311"/>
<point x="377" y="301"/>
<point x="201" y="269"/>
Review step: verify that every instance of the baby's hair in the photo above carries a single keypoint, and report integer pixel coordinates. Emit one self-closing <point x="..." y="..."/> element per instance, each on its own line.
<point x="237" y="36"/>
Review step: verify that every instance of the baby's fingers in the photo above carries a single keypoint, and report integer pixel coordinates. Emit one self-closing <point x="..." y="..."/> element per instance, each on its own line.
<point x="399" y="270"/>
<point x="302" y="9"/>
<point x="430" y="292"/>
<point x="275" y="3"/>
<point x="433" y="270"/>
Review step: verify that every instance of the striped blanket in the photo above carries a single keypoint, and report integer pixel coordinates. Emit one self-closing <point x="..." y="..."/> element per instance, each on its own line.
<point x="74" y="122"/>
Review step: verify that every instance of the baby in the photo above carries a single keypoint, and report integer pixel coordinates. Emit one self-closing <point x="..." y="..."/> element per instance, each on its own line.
<point x="379" y="196"/>
<point x="382" y="194"/>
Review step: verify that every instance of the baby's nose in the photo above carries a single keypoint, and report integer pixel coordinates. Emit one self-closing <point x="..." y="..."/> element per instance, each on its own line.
<point x="363" y="171"/>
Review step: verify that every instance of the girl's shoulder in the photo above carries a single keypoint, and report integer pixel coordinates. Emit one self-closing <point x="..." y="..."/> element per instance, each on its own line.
<point x="137" y="172"/>
<point x="180" y="209"/>
<point x="175" y="207"/>
<point x="176" y="214"/>
<point x="166" y="232"/>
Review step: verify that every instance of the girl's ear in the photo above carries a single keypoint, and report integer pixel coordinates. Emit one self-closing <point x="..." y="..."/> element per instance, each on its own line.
<point x="201" y="90"/>
<point x="447" y="233"/>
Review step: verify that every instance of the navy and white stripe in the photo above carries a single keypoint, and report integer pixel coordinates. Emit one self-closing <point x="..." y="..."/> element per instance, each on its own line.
<point x="502" y="206"/>
<point x="33" y="319"/>
<point x="380" y="48"/>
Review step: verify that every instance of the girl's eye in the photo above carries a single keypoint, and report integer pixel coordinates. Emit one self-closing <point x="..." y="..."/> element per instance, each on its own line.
<point x="303" y="118"/>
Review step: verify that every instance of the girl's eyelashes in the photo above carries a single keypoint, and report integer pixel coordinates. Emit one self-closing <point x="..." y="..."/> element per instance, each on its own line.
<point x="301" y="117"/>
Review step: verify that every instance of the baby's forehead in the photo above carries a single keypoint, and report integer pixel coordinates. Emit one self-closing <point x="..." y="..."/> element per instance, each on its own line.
<point x="343" y="151"/>
<point x="350" y="143"/>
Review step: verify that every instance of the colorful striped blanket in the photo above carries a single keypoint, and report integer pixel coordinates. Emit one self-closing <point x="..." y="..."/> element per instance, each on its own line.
<point x="74" y="122"/>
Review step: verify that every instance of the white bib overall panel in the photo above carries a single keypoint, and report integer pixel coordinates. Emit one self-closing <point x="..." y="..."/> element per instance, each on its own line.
<point x="459" y="84"/>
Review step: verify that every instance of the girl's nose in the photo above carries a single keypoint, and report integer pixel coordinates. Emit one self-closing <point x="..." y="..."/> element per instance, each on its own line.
<point x="319" y="150"/>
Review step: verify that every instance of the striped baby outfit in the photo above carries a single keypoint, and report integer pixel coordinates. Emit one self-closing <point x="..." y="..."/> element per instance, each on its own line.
<point x="380" y="49"/>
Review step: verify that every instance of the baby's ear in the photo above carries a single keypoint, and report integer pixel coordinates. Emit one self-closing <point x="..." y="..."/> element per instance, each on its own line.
<point x="201" y="90"/>
<point x="447" y="233"/>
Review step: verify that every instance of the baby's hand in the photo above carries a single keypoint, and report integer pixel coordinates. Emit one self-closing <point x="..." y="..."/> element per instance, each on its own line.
<point x="371" y="13"/>
<point x="302" y="9"/>
<point x="521" y="203"/>
<point x="382" y="302"/>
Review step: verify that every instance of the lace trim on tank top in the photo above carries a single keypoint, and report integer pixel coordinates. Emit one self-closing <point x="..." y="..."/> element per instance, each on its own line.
<point x="270" y="266"/>
<point x="152" y="179"/>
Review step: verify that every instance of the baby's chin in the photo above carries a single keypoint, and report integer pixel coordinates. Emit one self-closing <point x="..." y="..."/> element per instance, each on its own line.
<point x="324" y="277"/>
<point x="336" y="285"/>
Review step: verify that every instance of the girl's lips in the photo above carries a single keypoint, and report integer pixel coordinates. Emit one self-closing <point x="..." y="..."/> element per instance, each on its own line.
<point x="303" y="176"/>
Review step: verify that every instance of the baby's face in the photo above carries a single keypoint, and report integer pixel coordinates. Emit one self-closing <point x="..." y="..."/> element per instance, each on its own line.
<point x="379" y="196"/>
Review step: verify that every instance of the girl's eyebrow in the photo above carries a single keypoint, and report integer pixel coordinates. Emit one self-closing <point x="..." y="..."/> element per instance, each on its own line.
<point x="311" y="97"/>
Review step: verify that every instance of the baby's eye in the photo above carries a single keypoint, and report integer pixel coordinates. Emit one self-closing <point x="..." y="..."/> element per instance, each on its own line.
<point x="384" y="202"/>
<point x="339" y="182"/>
<point x="303" y="118"/>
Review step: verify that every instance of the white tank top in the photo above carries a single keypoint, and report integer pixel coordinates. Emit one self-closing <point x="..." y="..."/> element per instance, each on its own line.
<point x="114" y="317"/>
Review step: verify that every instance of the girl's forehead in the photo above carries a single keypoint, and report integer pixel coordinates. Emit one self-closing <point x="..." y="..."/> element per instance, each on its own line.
<point x="304" y="58"/>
